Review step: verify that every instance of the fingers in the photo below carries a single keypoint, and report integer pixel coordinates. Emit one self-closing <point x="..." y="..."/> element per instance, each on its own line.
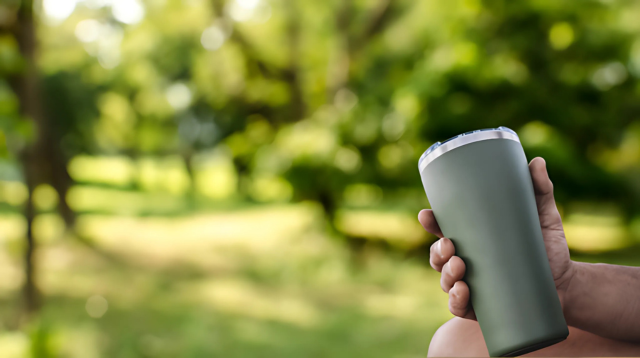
<point x="452" y="272"/>
<point x="440" y="252"/>
<point x="428" y="221"/>
<point x="541" y="182"/>
<point x="442" y="259"/>
<point x="543" y="187"/>
<point x="459" y="303"/>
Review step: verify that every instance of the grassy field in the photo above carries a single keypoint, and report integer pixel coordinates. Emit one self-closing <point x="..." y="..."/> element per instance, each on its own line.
<point x="264" y="282"/>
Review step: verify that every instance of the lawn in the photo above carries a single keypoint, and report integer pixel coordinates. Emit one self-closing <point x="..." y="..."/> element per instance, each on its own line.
<point x="262" y="282"/>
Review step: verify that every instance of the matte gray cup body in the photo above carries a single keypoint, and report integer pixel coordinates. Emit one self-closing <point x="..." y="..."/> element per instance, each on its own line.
<point x="480" y="190"/>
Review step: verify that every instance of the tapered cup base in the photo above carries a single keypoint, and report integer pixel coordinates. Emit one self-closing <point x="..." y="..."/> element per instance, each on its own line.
<point x="534" y="347"/>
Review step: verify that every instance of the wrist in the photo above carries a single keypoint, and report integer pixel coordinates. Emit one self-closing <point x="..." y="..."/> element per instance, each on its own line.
<point x="566" y="286"/>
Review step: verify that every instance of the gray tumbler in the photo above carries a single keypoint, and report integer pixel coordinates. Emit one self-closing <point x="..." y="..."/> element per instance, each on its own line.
<point x="479" y="187"/>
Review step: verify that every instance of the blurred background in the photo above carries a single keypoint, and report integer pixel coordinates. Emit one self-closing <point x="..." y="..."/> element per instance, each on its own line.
<point x="238" y="178"/>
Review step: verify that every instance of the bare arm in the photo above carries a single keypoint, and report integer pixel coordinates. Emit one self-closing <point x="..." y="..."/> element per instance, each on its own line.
<point x="604" y="300"/>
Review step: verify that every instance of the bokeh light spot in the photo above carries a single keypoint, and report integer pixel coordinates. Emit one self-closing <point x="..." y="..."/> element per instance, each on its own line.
<point x="348" y="159"/>
<point x="96" y="306"/>
<point x="88" y="30"/>
<point x="13" y="192"/>
<point x="45" y="197"/>
<point x="248" y="4"/>
<point x="212" y="38"/>
<point x="561" y="35"/>
<point x="390" y="156"/>
<point x="609" y="75"/>
<point x="393" y="126"/>
<point x="243" y="10"/>
<point x="179" y="96"/>
<point x="127" y="11"/>
<point x="466" y="53"/>
<point x="268" y="188"/>
<point x="58" y="10"/>
<point x="345" y="99"/>
<point x="535" y="133"/>
<point x="406" y="103"/>
<point x="48" y="227"/>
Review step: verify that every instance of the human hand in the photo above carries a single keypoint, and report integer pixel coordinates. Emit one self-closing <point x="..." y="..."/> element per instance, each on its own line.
<point x="442" y="252"/>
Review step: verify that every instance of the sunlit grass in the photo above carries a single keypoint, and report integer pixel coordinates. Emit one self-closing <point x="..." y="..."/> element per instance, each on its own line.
<point x="592" y="229"/>
<point x="89" y="198"/>
<point x="14" y="344"/>
<point x="261" y="282"/>
<point x="400" y="229"/>
<point x="244" y="299"/>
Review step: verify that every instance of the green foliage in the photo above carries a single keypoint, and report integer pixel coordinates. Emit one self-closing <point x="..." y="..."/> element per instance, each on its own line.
<point x="160" y="110"/>
<point x="309" y="101"/>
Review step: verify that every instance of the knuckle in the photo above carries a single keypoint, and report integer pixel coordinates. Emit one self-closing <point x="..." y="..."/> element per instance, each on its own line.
<point x="455" y="302"/>
<point x="456" y="311"/>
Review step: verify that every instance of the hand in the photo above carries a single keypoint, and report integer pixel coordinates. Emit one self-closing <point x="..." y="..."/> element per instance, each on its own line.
<point x="443" y="259"/>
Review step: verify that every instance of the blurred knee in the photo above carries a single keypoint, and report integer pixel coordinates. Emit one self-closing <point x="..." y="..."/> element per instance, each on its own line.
<point x="458" y="337"/>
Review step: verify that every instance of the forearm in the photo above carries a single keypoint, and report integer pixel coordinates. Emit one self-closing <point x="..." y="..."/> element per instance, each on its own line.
<point x="604" y="300"/>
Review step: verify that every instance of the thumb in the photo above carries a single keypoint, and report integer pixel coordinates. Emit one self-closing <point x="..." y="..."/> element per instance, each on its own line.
<point x="543" y="188"/>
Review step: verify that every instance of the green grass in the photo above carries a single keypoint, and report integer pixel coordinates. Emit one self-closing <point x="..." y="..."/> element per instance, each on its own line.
<point x="264" y="282"/>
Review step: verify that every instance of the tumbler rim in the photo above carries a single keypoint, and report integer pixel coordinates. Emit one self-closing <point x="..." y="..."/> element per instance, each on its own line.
<point x="438" y="149"/>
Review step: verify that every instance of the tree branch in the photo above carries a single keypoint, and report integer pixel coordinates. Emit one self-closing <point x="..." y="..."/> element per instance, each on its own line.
<point x="293" y="77"/>
<point x="379" y="19"/>
<point x="340" y="61"/>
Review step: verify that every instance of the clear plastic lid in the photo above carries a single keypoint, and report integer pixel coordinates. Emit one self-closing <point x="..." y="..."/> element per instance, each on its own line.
<point x="435" y="145"/>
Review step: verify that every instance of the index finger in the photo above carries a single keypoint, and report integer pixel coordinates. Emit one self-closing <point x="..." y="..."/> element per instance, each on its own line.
<point x="428" y="221"/>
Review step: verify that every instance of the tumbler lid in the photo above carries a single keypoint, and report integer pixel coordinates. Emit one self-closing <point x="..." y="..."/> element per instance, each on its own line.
<point x="439" y="148"/>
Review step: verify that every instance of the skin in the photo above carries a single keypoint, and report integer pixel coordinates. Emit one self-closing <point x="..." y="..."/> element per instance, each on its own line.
<point x="601" y="303"/>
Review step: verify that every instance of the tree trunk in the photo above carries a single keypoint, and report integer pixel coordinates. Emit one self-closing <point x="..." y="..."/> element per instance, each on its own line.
<point x="59" y="177"/>
<point x="31" y="296"/>
<point x="293" y="78"/>
<point x="340" y="62"/>
<point x="26" y="88"/>
<point x="192" y="194"/>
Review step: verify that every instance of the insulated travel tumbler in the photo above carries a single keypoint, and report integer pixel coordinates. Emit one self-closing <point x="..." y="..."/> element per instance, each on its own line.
<point x="479" y="187"/>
